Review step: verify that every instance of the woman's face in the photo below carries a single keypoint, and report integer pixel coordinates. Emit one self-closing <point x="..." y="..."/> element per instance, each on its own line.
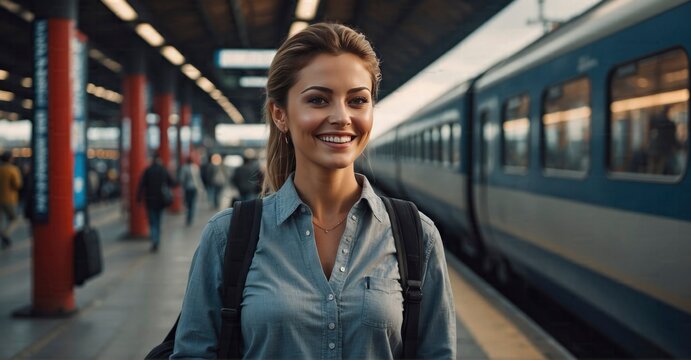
<point x="329" y="112"/>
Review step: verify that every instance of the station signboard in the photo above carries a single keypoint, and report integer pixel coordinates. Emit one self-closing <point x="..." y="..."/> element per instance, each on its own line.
<point x="40" y="123"/>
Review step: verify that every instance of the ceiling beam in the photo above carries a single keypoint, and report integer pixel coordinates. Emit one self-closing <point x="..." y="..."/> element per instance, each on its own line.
<point x="240" y="23"/>
<point x="208" y="25"/>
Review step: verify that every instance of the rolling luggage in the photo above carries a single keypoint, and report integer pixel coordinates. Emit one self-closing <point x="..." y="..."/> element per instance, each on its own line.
<point x="88" y="261"/>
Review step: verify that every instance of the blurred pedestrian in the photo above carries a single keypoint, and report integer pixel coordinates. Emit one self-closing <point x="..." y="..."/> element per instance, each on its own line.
<point x="216" y="178"/>
<point x="154" y="190"/>
<point x="10" y="184"/>
<point x="192" y="185"/>
<point x="248" y="178"/>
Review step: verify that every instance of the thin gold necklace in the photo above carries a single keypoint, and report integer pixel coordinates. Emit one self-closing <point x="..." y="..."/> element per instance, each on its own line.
<point x="326" y="231"/>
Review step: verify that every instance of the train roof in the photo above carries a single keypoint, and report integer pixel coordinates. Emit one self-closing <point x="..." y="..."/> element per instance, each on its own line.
<point x="433" y="106"/>
<point x="600" y="21"/>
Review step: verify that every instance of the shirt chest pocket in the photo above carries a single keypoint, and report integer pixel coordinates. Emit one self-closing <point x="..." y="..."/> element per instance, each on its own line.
<point x="382" y="303"/>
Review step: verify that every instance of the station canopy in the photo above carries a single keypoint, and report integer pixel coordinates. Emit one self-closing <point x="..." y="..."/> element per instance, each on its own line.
<point x="407" y="35"/>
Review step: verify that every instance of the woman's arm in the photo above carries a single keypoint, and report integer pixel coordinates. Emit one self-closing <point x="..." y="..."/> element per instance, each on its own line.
<point x="437" y="324"/>
<point x="200" y="321"/>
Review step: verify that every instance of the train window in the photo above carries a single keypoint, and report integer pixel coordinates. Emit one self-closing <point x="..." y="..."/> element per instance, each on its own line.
<point x="515" y="132"/>
<point x="455" y="144"/>
<point x="436" y="144"/>
<point x="427" y="145"/>
<point x="446" y="144"/>
<point x="566" y="126"/>
<point x="649" y="114"/>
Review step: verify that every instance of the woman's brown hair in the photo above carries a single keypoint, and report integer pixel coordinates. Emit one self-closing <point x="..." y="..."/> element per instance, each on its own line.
<point x="296" y="53"/>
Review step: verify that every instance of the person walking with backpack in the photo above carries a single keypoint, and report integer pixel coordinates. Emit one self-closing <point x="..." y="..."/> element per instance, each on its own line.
<point x="325" y="280"/>
<point x="10" y="184"/>
<point x="192" y="185"/>
<point x="155" y="190"/>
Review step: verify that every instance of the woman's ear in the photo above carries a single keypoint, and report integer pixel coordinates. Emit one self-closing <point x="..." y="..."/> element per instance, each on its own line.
<point x="279" y="116"/>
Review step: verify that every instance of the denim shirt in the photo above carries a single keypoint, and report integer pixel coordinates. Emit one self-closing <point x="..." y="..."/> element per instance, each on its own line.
<point x="291" y="310"/>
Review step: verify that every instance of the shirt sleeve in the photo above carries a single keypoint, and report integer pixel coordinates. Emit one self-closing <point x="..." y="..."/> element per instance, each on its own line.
<point x="437" y="324"/>
<point x="200" y="319"/>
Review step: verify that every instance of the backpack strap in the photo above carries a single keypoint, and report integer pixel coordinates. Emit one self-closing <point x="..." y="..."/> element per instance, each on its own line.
<point x="242" y="242"/>
<point x="407" y="234"/>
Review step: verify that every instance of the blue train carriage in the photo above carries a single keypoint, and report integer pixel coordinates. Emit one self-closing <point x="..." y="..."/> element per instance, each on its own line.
<point x="378" y="162"/>
<point x="581" y="169"/>
<point x="432" y="158"/>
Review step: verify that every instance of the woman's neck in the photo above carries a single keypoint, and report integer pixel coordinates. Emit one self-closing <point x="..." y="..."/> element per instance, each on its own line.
<point x="330" y="194"/>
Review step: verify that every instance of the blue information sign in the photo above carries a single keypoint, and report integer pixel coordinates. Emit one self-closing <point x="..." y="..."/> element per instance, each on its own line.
<point x="196" y="133"/>
<point x="79" y="68"/>
<point x="40" y="123"/>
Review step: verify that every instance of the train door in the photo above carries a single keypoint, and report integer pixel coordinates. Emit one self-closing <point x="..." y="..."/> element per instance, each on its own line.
<point x="485" y="138"/>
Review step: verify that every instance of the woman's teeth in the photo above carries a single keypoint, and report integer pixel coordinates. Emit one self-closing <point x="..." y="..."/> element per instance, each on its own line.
<point x="336" y="139"/>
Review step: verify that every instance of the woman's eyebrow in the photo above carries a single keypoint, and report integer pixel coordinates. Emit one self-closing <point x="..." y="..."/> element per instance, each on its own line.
<point x="327" y="90"/>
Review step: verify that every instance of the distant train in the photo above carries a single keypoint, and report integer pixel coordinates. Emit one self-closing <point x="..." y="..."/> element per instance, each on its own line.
<point x="567" y="163"/>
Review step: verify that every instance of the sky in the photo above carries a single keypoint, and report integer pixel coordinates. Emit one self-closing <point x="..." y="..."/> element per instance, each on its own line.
<point x="504" y="34"/>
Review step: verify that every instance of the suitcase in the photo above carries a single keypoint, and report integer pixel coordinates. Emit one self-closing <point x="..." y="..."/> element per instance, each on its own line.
<point x="88" y="261"/>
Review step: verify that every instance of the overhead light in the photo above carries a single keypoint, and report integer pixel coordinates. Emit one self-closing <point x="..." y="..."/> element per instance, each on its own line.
<point x="99" y="91"/>
<point x="6" y="95"/>
<point x="96" y="54"/>
<point x="121" y="8"/>
<point x="90" y="88"/>
<point x="296" y="27"/>
<point x="216" y="94"/>
<point x="27" y="104"/>
<point x="253" y="81"/>
<point x="11" y="6"/>
<point x="149" y="34"/>
<point x="173" y="55"/>
<point x="27" y="82"/>
<point x="244" y="59"/>
<point x="4" y="74"/>
<point x="27" y="15"/>
<point x="191" y="72"/>
<point x="306" y="9"/>
<point x="112" y="65"/>
<point x="205" y="84"/>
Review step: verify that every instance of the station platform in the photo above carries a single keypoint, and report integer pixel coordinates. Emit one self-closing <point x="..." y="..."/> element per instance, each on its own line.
<point x="130" y="307"/>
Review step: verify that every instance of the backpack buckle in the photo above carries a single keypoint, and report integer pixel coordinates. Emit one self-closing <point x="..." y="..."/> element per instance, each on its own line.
<point x="413" y="292"/>
<point x="229" y="314"/>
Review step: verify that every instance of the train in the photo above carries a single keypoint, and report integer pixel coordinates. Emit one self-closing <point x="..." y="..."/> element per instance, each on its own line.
<point x="566" y="164"/>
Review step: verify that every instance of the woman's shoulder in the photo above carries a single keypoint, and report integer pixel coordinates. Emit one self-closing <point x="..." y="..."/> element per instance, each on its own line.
<point x="430" y="233"/>
<point x="219" y="224"/>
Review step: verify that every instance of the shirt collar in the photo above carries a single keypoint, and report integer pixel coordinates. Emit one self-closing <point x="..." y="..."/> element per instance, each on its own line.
<point x="288" y="201"/>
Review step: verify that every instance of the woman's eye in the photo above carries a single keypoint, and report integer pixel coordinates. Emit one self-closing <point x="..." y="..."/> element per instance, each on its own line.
<point x="359" y="100"/>
<point x="317" y="100"/>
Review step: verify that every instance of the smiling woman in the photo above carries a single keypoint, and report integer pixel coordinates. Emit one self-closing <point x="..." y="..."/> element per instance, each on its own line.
<point x="335" y="292"/>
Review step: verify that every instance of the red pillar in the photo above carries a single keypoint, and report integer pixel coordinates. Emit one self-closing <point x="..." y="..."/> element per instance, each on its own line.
<point x="185" y="121"/>
<point x="53" y="234"/>
<point x="134" y="117"/>
<point x="163" y="104"/>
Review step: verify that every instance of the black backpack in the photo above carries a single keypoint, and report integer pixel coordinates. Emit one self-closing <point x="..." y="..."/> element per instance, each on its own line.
<point x="242" y="242"/>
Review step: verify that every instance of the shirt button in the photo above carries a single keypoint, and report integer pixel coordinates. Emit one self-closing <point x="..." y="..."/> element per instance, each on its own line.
<point x="345" y="251"/>
<point x="302" y="209"/>
<point x="332" y="346"/>
<point x="330" y="297"/>
<point x="332" y="326"/>
<point x="354" y="217"/>
<point x="307" y="233"/>
<point x="342" y="268"/>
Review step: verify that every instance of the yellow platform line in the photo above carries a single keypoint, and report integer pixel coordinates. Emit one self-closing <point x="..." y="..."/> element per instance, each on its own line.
<point x="494" y="332"/>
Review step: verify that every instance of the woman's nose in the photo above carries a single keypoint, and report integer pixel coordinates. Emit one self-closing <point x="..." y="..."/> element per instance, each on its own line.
<point x="340" y="116"/>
